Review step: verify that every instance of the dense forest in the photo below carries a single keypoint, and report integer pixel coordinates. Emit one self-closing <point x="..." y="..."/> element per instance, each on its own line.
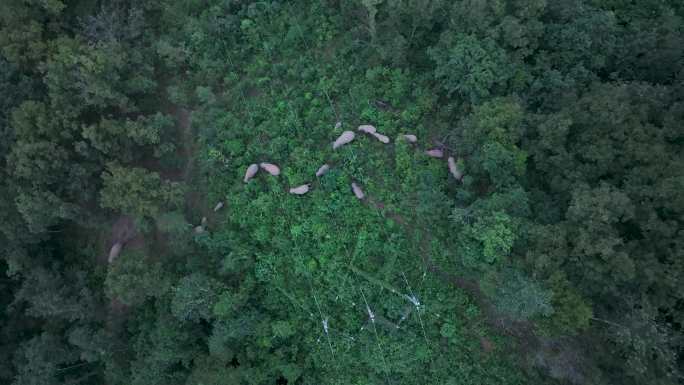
<point x="548" y="250"/>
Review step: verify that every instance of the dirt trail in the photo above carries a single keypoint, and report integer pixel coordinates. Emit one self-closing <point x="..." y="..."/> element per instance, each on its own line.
<point x="189" y="144"/>
<point x="124" y="230"/>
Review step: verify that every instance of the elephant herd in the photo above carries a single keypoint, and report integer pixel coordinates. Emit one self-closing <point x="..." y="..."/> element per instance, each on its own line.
<point x="345" y="138"/>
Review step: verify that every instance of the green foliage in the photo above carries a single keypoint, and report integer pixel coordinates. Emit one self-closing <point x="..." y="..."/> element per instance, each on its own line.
<point x="121" y="139"/>
<point x="471" y="68"/>
<point x="138" y="192"/>
<point x="133" y="279"/>
<point x="492" y="135"/>
<point x="518" y="297"/>
<point x="572" y="314"/>
<point x="164" y="350"/>
<point x="496" y="234"/>
<point x="43" y="209"/>
<point x="40" y="359"/>
<point x="57" y="295"/>
<point x="594" y="213"/>
<point x="488" y="239"/>
<point x="194" y="297"/>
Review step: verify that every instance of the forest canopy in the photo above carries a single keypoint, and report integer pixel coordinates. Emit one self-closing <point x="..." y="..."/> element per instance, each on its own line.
<point x="516" y="215"/>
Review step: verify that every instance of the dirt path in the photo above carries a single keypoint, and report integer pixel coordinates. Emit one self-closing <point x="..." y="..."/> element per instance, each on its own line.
<point x="124" y="231"/>
<point x="195" y="197"/>
<point x="188" y="141"/>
